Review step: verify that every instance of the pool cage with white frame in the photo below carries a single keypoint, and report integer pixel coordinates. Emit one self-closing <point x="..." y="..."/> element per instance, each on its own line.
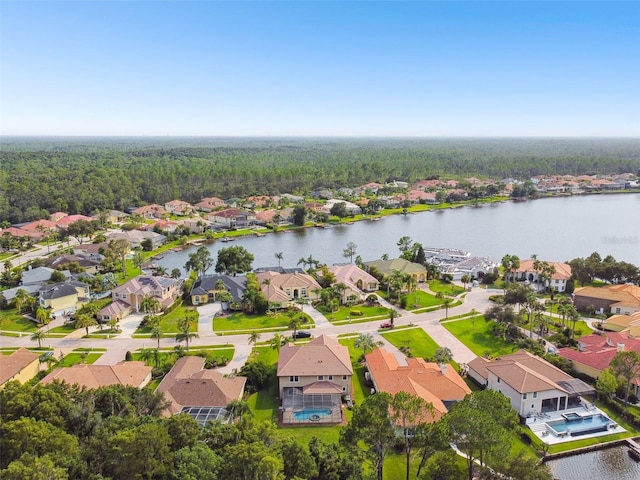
<point x="310" y="408"/>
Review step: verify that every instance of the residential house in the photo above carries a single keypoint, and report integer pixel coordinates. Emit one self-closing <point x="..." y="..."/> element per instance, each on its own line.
<point x="149" y="212"/>
<point x="21" y="365"/>
<point x="20" y="233"/>
<point x="595" y="352"/>
<point x="136" y="237"/>
<point x="134" y="374"/>
<point x="41" y="227"/>
<point x="128" y="297"/>
<point x="388" y="267"/>
<point x="617" y="299"/>
<point x="64" y="222"/>
<point x="626" y="324"/>
<point x="90" y="263"/>
<point x="40" y="275"/>
<point x="115" y="216"/>
<point x="439" y="385"/>
<point x="204" y="288"/>
<point x="312" y="381"/>
<point x="179" y="207"/>
<point x="533" y="385"/>
<point x="232" y="218"/>
<point x="358" y="282"/>
<point x="209" y="204"/>
<point x="57" y="216"/>
<point x="527" y="272"/>
<point x="292" y="198"/>
<point x="287" y="288"/>
<point x="203" y="394"/>
<point x="351" y="208"/>
<point x="9" y="294"/>
<point x="62" y="298"/>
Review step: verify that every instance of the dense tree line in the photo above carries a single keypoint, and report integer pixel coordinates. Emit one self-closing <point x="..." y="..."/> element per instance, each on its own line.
<point x="40" y="176"/>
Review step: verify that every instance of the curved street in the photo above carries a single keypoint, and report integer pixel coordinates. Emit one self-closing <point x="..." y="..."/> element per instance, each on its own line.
<point x="477" y="299"/>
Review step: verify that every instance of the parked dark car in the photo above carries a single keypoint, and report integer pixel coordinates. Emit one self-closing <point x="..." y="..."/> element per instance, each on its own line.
<point x="302" y="334"/>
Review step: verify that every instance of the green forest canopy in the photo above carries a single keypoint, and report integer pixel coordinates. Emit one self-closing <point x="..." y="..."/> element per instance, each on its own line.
<point x="85" y="175"/>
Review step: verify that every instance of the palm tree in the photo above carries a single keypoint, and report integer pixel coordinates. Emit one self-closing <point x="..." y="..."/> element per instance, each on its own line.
<point x="43" y="315"/>
<point x="443" y="355"/>
<point x="220" y="286"/>
<point x="21" y="299"/>
<point x="238" y="408"/>
<point x="279" y="257"/>
<point x="146" y="355"/>
<point x="150" y="305"/>
<point x="84" y="320"/>
<point x="393" y="314"/>
<point x="249" y="299"/>
<point x="253" y="338"/>
<point x="446" y="303"/>
<point x="267" y="282"/>
<point x="161" y="271"/>
<point x="185" y="335"/>
<point x="156" y="334"/>
<point x="278" y="341"/>
<point x="295" y="323"/>
<point x="365" y="342"/>
<point x="465" y="279"/>
<point x="38" y="336"/>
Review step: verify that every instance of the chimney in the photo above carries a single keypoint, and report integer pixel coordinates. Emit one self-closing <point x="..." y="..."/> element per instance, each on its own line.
<point x="620" y="347"/>
<point x="443" y="368"/>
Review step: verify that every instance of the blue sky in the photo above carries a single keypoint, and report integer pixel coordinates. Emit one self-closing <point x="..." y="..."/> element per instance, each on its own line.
<point x="320" y="68"/>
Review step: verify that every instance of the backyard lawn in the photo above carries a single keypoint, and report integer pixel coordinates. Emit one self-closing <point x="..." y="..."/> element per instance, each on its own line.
<point x="239" y="321"/>
<point x="421" y="344"/>
<point x="476" y="334"/>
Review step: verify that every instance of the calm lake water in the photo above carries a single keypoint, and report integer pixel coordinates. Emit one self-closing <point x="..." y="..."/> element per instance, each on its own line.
<point x="557" y="229"/>
<point x="609" y="464"/>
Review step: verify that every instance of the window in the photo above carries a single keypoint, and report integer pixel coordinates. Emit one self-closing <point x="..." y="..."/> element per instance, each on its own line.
<point x="498" y="380"/>
<point x="116" y="295"/>
<point x="524" y="397"/>
<point x="617" y="310"/>
<point x="294" y="379"/>
<point x="303" y="292"/>
<point x="320" y="378"/>
<point x="330" y="377"/>
<point x="535" y="394"/>
<point x="344" y="377"/>
<point x="344" y="389"/>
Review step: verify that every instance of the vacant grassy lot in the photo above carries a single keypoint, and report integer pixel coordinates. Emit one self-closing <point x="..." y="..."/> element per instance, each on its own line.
<point x="77" y="356"/>
<point x="63" y="330"/>
<point x="344" y="313"/>
<point x="445" y="288"/>
<point x="243" y="322"/>
<point x="419" y="299"/>
<point x="476" y="334"/>
<point x="12" y="321"/>
<point x="421" y="344"/>
<point x="169" y="322"/>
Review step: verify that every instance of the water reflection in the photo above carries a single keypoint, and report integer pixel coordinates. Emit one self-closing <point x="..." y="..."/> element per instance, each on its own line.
<point x="612" y="463"/>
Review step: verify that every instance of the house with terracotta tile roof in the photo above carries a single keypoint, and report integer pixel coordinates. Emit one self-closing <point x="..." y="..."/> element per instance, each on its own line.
<point x="190" y="388"/>
<point x="533" y="385"/>
<point x="439" y="385"/>
<point x="627" y="324"/>
<point x="313" y="379"/>
<point x="134" y="374"/>
<point x="387" y="267"/>
<point x="179" y="207"/>
<point x="41" y="226"/>
<point x="617" y="299"/>
<point x="71" y="219"/>
<point x="527" y="272"/>
<point x="208" y="204"/>
<point x="285" y="289"/>
<point x="232" y="218"/>
<point x="128" y="297"/>
<point x="149" y="211"/>
<point x="358" y="282"/>
<point x="22" y="365"/>
<point x="595" y="352"/>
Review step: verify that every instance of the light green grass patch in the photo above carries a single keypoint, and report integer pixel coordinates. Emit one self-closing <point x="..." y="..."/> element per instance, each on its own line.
<point x="445" y="288"/>
<point x="75" y="358"/>
<point x="420" y="299"/>
<point x="420" y="343"/>
<point x="344" y="314"/>
<point x="242" y="322"/>
<point x="169" y="322"/>
<point x="476" y="334"/>
<point x="14" y="322"/>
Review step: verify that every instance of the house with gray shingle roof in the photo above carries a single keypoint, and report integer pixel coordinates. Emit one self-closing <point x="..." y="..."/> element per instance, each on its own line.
<point x="204" y="288"/>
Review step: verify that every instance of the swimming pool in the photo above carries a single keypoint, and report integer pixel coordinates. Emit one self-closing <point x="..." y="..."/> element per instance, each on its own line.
<point x="311" y="414"/>
<point x="580" y="426"/>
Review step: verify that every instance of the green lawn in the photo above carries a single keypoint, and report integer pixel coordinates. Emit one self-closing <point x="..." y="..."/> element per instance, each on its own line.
<point x="345" y="313"/>
<point x="169" y="322"/>
<point x="421" y="344"/>
<point x="76" y="357"/>
<point x="445" y="288"/>
<point x="476" y="334"/>
<point x="419" y="299"/>
<point x="242" y="322"/>
<point x="12" y="321"/>
<point x="65" y="329"/>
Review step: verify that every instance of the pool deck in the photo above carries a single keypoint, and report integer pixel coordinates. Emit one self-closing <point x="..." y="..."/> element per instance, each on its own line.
<point x="538" y="425"/>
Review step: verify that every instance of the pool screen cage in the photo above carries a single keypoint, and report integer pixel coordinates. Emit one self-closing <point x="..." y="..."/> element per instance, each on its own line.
<point x="294" y="402"/>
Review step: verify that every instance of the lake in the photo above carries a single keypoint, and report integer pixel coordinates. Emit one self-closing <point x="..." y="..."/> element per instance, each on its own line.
<point x="611" y="463"/>
<point x="557" y="229"/>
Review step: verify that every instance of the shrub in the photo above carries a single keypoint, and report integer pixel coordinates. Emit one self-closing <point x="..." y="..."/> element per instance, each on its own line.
<point x="403" y="302"/>
<point x="128" y="356"/>
<point x="355" y="313"/>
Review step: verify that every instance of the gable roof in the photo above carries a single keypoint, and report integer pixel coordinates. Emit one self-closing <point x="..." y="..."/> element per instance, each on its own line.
<point x="236" y="286"/>
<point x="189" y="384"/>
<point x="563" y="270"/>
<point x="626" y="294"/>
<point x="321" y="356"/>
<point x="11" y="365"/>
<point x="61" y="290"/>
<point x="279" y="282"/>
<point x="135" y="374"/>
<point x="387" y="267"/>
<point x="350" y="274"/>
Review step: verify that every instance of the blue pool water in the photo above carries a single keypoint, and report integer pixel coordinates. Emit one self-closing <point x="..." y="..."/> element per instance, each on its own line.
<point x="311" y="414"/>
<point x="585" y="423"/>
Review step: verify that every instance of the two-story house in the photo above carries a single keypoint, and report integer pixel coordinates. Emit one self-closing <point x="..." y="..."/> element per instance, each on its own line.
<point x="64" y="297"/>
<point x="283" y="289"/>
<point x="358" y="282"/>
<point x="313" y="379"/>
